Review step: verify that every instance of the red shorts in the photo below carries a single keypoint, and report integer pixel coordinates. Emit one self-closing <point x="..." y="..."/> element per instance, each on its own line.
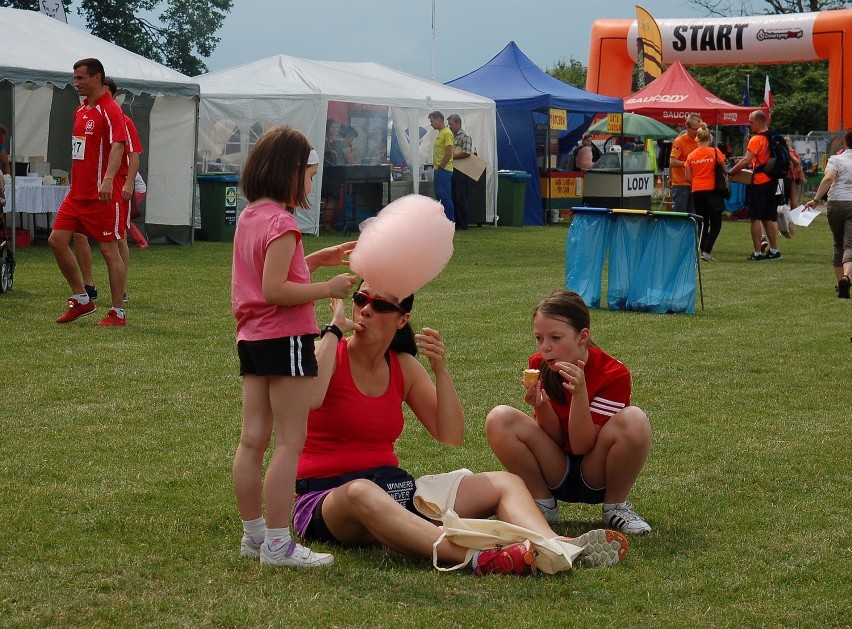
<point x="102" y="221"/>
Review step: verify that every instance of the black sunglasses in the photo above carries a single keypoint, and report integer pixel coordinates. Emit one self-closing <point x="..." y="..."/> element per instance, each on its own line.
<point x="379" y="304"/>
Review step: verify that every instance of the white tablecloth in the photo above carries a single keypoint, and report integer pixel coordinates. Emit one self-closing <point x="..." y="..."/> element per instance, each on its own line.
<point x="36" y="199"/>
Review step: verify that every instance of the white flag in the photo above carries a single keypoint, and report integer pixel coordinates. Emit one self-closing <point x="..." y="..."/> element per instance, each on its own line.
<point x="53" y="8"/>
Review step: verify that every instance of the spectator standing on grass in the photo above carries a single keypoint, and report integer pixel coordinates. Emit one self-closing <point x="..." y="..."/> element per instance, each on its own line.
<point x="837" y="181"/>
<point x="351" y="490"/>
<point x="762" y="207"/>
<point x="701" y="173"/>
<point x="462" y="149"/>
<point x="585" y="442"/>
<point x="795" y="176"/>
<point x="682" y="146"/>
<point x="272" y="298"/>
<point x="442" y="163"/>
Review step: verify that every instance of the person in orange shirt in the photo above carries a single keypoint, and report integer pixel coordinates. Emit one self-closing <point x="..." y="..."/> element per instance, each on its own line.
<point x="762" y="208"/>
<point x="683" y="145"/>
<point x="701" y="173"/>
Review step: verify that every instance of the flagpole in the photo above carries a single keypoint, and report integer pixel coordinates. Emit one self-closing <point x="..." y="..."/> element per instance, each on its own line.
<point x="433" y="40"/>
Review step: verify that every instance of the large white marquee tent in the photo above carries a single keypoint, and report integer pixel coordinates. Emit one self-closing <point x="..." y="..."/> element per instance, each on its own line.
<point x="288" y="90"/>
<point x="37" y="103"/>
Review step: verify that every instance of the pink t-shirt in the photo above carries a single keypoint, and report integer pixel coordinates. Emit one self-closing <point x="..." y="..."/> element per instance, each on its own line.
<point x="257" y="320"/>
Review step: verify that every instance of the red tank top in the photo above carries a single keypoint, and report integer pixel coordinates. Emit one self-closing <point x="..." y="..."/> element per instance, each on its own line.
<point x="352" y="431"/>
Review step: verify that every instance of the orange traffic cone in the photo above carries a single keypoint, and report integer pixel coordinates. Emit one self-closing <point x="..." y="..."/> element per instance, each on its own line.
<point x="658" y="189"/>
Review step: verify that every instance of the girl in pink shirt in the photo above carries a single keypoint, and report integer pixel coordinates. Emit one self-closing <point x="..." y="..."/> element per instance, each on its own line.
<point x="272" y="298"/>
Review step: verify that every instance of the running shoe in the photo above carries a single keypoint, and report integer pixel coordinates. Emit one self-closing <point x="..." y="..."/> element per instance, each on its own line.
<point x="773" y="256"/>
<point x="294" y="555"/>
<point x="512" y="559"/>
<point x="625" y="519"/>
<point x="601" y="547"/>
<point x="112" y="319"/>
<point x="551" y="514"/>
<point x="249" y="548"/>
<point x="76" y="310"/>
<point x="843" y="288"/>
<point x="91" y="291"/>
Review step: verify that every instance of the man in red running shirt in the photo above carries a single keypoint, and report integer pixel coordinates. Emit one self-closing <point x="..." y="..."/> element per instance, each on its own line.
<point x="82" y="250"/>
<point x="94" y="203"/>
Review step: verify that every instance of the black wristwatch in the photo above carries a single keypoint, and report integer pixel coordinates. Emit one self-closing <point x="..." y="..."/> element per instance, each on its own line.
<point x="333" y="329"/>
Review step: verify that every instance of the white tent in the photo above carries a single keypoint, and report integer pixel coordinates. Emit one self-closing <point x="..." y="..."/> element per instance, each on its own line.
<point x="37" y="102"/>
<point x="245" y="100"/>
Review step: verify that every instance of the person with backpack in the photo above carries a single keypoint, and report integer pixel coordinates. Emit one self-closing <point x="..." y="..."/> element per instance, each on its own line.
<point x="762" y="155"/>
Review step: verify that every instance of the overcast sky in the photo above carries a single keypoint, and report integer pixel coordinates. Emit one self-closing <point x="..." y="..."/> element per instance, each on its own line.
<point x="398" y="33"/>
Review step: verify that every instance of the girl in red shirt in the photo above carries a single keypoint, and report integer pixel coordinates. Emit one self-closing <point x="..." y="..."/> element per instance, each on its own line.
<point x="585" y="443"/>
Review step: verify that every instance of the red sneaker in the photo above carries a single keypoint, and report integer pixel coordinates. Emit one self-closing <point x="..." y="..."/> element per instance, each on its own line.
<point x="513" y="559"/>
<point x="112" y="319"/>
<point x="76" y="310"/>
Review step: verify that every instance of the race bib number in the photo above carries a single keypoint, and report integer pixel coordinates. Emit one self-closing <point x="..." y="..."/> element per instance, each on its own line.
<point x="78" y="147"/>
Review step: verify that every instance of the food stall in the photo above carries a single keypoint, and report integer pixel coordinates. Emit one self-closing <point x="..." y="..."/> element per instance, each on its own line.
<point x="620" y="179"/>
<point x="624" y="177"/>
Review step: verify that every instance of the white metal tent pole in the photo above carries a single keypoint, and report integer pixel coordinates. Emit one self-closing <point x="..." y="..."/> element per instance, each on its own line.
<point x="433" y="40"/>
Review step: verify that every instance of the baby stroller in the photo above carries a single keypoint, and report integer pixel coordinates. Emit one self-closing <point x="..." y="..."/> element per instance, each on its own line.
<point x="7" y="257"/>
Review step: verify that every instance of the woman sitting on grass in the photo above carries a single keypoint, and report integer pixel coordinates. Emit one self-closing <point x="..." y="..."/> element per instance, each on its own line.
<point x="349" y="487"/>
<point x="586" y="443"/>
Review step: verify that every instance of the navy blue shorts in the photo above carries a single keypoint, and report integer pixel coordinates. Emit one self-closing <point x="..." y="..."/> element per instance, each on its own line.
<point x="285" y="356"/>
<point x="574" y="488"/>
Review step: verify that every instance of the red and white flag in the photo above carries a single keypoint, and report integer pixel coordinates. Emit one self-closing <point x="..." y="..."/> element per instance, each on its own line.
<point x="767" y="94"/>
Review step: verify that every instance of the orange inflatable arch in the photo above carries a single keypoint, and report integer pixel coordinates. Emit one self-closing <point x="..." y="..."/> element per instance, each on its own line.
<point x="764" y="39"/>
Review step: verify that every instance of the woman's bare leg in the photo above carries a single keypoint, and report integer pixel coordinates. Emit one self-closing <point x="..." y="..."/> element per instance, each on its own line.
<point x="360" y="512"/>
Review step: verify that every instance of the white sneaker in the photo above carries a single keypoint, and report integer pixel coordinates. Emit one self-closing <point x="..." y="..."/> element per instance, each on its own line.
<point x="626" y="520"/>
<point x="601" y="547"/>
<point x="294" y="555"/>
<point x="249" y="548"/>
<point x="551" y="514"/>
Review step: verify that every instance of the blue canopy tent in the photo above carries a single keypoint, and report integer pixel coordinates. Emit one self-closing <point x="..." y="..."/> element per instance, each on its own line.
<point x="524" y="93"/>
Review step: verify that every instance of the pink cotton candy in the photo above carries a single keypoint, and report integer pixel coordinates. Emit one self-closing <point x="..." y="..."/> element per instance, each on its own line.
<point x="405" y="246"/>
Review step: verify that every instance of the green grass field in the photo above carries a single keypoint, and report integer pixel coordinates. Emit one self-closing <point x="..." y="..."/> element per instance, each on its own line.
<point x="116" y="506"/>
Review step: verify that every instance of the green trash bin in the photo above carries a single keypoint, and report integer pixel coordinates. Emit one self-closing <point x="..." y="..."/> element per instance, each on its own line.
<point x="511" y="197"/>
<point x="218" y="205"/>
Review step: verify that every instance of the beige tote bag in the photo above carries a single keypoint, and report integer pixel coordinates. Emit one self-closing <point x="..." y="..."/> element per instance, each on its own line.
<point x="551" y="555"/>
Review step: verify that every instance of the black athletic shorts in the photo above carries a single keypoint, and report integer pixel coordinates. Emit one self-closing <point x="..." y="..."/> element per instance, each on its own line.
<point x="574" y="488"/>
<point x="285" y="356"/>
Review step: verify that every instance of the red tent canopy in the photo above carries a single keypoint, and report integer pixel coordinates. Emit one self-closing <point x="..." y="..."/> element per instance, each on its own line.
<point x="675" y="94"/>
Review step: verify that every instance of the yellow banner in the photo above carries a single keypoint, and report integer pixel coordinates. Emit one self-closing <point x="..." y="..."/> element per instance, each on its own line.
<point x="652" y="44"/>
<point x="559" y="119"/>
<point x="613" y="123"/>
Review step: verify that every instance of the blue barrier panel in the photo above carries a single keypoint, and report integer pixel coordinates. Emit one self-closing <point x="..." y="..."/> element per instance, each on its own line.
<point x="738" y="197"/>
<point x="665" y="278"/>
<point x="628" y="236"/>
<point x="585" y="252"/>
<point x="652" y="259"/>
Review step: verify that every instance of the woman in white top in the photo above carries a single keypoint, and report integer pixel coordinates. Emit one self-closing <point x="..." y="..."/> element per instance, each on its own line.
<point x="838" y="182"/>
